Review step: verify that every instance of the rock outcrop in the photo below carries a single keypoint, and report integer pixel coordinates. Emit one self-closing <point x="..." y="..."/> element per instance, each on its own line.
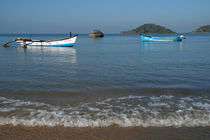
<point x="96" y="33"/>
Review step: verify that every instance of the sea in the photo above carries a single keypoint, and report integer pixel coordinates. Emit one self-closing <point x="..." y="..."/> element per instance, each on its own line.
<point x="101" y="82"/>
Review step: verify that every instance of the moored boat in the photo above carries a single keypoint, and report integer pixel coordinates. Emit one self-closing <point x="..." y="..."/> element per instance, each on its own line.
<point x="151" y="38"/>
<point x="67" y="42"/>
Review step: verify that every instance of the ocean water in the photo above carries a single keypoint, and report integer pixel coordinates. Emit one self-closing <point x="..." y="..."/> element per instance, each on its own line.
<point x="101" y="82"/>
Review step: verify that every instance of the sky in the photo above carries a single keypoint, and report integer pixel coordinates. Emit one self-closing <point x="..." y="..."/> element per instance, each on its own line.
<point x="109" y="16"/>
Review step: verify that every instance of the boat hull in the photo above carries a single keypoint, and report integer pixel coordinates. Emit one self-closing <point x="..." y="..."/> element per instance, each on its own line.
<point x="149" y="38"/>
<point x="68" y="42"/>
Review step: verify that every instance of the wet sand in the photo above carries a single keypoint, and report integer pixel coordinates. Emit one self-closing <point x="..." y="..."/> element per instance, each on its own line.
<point x="8" y="132"/>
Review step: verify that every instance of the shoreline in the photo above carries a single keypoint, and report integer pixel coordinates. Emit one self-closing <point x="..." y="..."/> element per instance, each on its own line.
<point x="9" y="132"/>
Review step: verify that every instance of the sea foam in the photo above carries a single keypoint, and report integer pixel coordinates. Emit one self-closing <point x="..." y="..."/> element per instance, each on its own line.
<point x="144" y="111"/>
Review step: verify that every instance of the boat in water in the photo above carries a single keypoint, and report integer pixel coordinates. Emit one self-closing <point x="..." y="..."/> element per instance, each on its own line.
<point x="66" y="42"/>
<point x="151" y="38"/>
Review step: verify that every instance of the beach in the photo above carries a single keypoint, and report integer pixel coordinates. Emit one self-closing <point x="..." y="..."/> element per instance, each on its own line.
<point x="9" y="132"/>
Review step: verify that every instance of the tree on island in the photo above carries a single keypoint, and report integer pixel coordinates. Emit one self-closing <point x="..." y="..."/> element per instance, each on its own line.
<point x="149" y="28"/>
<point x="202" y="29"/>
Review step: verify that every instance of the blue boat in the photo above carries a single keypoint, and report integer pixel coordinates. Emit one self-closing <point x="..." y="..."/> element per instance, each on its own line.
<point x="150" y="38"/>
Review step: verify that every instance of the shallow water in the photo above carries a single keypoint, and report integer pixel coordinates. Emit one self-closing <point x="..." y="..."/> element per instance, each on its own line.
<point x="100" y="82"/>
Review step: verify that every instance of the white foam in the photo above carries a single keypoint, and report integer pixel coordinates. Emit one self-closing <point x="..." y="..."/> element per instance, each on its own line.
<point x="187" y="98"/>
<point x="7" y="109"/>
<point x="93" y="109"/>
<point x="131" y="97"/>
<point x="201" y="105"/>
<point x="123" y="121"/>
<point x="166" y="96"/>
<point x="158" y="111"/>
<point x="159" y="104"/>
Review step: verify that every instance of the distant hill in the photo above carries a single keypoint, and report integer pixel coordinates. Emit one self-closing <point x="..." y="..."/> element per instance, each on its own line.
<point x="148" y="28"/>
<point x="202" y="29"/>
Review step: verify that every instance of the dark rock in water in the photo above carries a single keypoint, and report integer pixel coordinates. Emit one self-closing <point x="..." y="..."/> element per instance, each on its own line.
<point x="96" y="33"/>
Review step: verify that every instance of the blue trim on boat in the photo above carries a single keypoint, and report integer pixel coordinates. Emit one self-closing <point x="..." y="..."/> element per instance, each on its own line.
<point x="150" y="38"/>
<point x="57" y="45"/>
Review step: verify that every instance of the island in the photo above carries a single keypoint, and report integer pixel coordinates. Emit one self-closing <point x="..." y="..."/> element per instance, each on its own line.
<point x="202" y="29"/>
<point x="148" y="28"/>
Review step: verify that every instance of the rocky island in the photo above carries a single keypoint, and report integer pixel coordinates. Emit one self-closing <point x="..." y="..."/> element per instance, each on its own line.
<point x="202" y="29"/>
<point x="148" y="28"/>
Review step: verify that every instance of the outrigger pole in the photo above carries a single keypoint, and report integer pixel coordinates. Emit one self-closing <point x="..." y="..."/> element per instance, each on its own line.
<point x="18" y="39"/>
<point x="5" y="45"/>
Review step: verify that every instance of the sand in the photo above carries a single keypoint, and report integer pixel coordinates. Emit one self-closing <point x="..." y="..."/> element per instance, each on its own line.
<point x="8" y="132"/>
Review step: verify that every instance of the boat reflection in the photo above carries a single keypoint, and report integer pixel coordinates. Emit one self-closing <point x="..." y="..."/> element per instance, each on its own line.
<point x="181" y="46"/>
<point x="59" y="54"/>
<point x="150" y="45"/>
<point x="145" y="45"/>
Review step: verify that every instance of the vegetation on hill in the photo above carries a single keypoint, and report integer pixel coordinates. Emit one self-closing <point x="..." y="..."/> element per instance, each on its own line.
<point x="202" y="29"/>
<point x="149" y="28"/>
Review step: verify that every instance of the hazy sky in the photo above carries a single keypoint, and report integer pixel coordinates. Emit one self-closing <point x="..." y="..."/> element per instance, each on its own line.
<point x="110" y="16"/>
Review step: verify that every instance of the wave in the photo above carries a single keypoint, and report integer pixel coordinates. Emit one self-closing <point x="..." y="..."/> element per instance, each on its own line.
<point x="126" y="111"/>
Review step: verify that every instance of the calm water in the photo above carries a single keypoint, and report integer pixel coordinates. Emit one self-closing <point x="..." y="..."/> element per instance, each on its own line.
<point x="113" y="80"/>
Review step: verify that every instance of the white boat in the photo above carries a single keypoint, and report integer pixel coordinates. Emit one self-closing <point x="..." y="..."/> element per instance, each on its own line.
<point x="67" y="42"/>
